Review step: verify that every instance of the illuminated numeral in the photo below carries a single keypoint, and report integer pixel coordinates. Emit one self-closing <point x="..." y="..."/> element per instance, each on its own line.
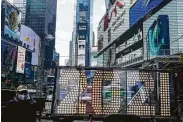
<point x="114" y="104"/>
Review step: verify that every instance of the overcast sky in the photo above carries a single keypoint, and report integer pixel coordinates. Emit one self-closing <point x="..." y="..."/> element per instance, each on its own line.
<point x="65" y="13"/>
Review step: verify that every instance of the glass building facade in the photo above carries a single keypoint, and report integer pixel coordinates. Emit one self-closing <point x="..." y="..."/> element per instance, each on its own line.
<point x="87" y="6"/>
<point x="41" y="17"/>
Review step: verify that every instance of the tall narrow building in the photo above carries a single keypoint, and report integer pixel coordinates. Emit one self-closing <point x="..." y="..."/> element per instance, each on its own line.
<point x="83" y="32"/>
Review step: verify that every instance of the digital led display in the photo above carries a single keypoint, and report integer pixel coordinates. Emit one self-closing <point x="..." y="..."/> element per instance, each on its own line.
<point x="141" y="8"/>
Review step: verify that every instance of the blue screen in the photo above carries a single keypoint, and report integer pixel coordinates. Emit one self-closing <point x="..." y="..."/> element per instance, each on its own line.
<point x="141" y="8"/>
<point x="158" y="36"/>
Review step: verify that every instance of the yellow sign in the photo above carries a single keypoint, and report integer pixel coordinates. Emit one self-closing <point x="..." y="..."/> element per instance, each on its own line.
<point x="27" y="39"/>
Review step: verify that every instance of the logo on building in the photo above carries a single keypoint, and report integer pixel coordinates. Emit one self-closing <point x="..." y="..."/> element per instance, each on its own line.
<point x="119" y="5"/>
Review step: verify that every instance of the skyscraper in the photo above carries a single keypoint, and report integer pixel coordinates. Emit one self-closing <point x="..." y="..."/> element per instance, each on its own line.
<point x="84" y="31"/>
<point x="41" y="17"/>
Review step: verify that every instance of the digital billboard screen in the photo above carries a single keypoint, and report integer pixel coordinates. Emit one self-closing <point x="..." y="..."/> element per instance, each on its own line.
<point x="12" y="23"/>
<point x="141" y="8"/>
<point x="82" y="31"/>
<point x="158" y="36"/>
<point x="161" y="30"/>
<point x="8" y="55"/>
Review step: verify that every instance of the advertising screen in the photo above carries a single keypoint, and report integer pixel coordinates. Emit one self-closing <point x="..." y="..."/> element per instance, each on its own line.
<point x="160" y="31"/>
<point x="28" y="70"/>
<point x="21" y="60"/>
<point x="12" y="23"/>
<point x="8" y="55"/>
<point x="141" y="8"/>
<point x="82" y="31"/>
<point x="81" y="47"/>
<point x="35" y="53"/>
<point x="28" y="38"/>
<point x="158" y="36"/>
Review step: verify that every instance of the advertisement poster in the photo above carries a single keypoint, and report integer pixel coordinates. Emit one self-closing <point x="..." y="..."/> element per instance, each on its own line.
<point x="82" y="31"/>
<point x="158" y="36"/>
<point x="28" y="70"/>
<point x="161" y="31"/>
<point x="12" y="23"/>
<point x="141" y="8"/>
<point x="8" y="55"/>
<point x="21" y="60"/>
<point x="28" y="38"/>
<point x="81" y="47"/>
<point x="35" y="53"/>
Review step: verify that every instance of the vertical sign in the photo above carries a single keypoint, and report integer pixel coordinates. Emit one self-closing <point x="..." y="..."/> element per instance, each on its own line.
<point x="82" y="31"/>
<point x="21" y="60"/>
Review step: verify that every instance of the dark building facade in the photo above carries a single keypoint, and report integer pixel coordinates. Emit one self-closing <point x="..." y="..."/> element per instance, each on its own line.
<point x="41" y="17"/>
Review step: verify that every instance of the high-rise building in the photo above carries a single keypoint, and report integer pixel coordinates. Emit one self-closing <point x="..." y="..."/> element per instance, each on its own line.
<point x="83" y="31"/>
<point x="21" y="4"/>
<point x="41" y="17"/>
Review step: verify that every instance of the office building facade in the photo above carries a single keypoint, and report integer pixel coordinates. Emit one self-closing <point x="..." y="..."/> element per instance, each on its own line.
<point x="133" y="43"/>
<point x="41" y="17"/>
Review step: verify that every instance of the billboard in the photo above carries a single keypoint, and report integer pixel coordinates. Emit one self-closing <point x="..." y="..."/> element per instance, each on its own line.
<point x="21" y="60"/>
<point x="141" y="8"/>
<point x="81" y="47"/>
<point x="82" y="18"/>
<point x="28" y="38"/>
<point x="82" y="31"/>
<point x="35" y="53"/>
<point x="12" y="23"/>
<point x="8" y="55"/>
<point x="161" y="31"/>
<point x="158" y="36"/>
<point x="28" y="70"/>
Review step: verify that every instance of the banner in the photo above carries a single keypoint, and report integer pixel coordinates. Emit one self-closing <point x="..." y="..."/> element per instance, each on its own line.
<point x="162" y="29"/>
<point x="35" y="53"/>
<point x="81" y="47"/>
<point x="8" y="55"/>
<point x="21" y="60"/>
<point x="28" y="38"/>
<point x="82" y="31"/>
<point x="12" y="23"/>
<point x="28" y="70"/>
<point x="141" y="8"/>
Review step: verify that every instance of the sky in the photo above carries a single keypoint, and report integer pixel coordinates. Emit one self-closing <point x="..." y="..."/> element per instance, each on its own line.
<point x="65" y="13"/>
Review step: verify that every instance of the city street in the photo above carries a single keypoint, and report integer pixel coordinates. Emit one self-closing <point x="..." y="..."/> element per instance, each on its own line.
<point x="91" y="58"/>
